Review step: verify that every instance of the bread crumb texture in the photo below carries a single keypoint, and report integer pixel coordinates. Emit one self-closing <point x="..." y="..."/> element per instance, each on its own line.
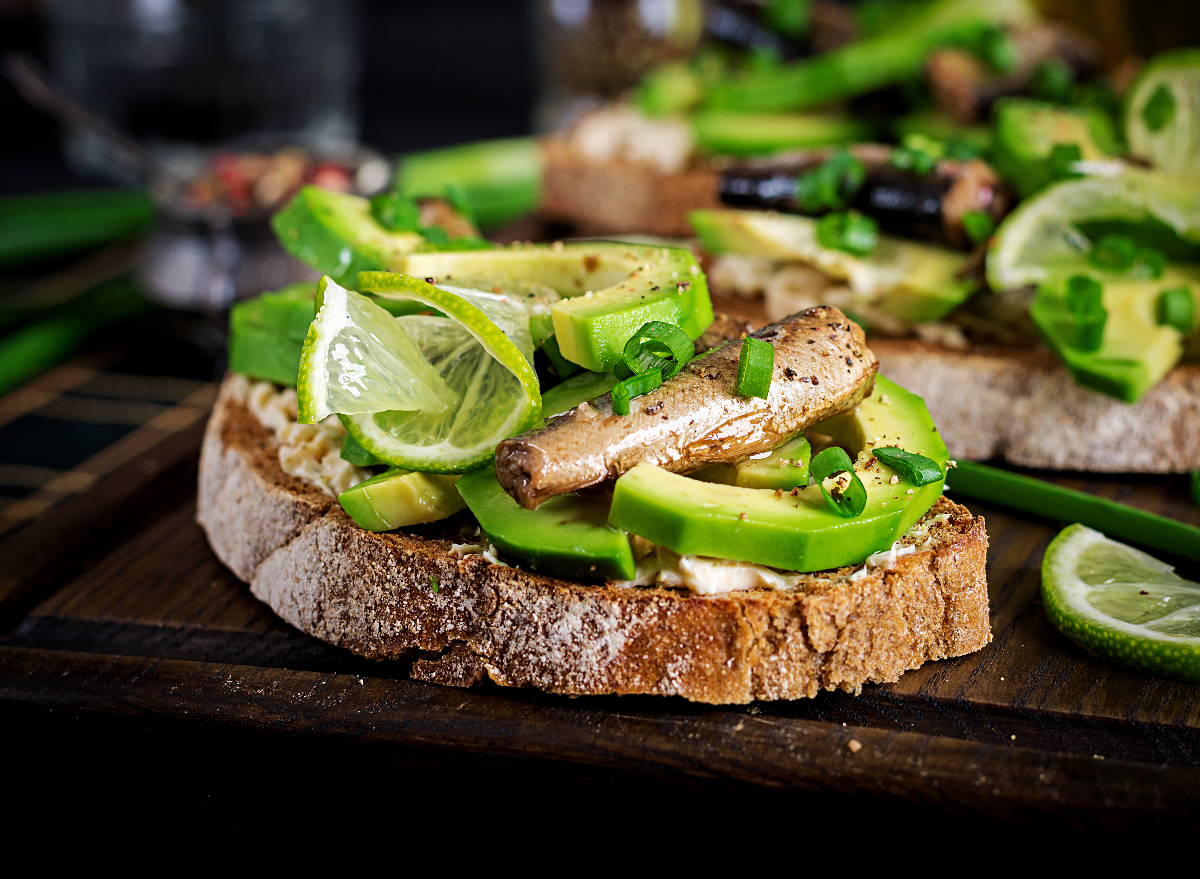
<point x="368" y="592"/>
<point x="1023" y="406"/>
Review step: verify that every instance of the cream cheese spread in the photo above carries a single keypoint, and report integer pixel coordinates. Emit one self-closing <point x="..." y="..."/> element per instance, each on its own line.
<point x="311" y="452"/>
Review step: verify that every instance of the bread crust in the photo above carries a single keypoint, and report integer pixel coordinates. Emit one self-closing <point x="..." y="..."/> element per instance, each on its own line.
<point x="1022" y="405"/>
<point x="371" y="593"/>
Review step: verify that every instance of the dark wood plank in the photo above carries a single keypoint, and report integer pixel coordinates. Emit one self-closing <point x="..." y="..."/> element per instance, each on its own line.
<point x="723" y="745"/>
<point x="43" y="555"/>
<point x="161" y="593"/>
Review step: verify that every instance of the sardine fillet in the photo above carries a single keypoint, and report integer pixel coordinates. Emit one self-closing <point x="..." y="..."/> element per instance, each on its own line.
<point x="822" y="367"/>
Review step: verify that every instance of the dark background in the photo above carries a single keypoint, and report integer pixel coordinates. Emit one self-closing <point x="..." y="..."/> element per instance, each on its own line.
<point x="433" y="73"/>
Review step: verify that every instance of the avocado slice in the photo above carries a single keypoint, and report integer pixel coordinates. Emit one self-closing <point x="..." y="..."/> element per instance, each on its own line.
<point x="1027" y="131"/>
<point x="609" y="289"/>
<point x="398" y="498"/>
<point x="910" y="280"/>
<point x="793" y="532"/>
<point x="337" y="235"/>
<point x="1136" y="351"/>
<point x="568" y="394"/>
<point x="266" y="334"/>
<point x="567" y="536"/>
<point x="785" y="467"/>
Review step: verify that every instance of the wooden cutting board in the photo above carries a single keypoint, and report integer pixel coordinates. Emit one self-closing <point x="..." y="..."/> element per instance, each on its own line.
<point x="113" y="606"/>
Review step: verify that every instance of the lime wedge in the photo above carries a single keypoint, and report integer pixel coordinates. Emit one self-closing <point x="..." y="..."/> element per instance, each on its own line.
<point x="1043" y="239"/>
<point x="1162" y="112"/>
<point x="481" y="349"/>
<point x="357" y="359"/>
<point x="1122" y="603"/>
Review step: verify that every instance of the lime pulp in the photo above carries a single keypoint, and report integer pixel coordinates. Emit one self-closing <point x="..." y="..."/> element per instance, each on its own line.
<point x="1122" y="603"/>
<point x="474" y="357"/>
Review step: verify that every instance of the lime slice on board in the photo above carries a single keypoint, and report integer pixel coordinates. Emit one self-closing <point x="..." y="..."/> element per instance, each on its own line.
<point x="1162" y="112"/>
<point x="482" y="348"/>
<point x="1043" y="239"/>
<point x="1122" y="603"/>
<point x="479" y="361"/>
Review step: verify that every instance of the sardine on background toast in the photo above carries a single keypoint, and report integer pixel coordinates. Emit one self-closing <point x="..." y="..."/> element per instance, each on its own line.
<point x="822" y="368"/>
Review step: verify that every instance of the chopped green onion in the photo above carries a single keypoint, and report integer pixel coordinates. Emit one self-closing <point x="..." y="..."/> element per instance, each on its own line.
<point x="848" y="497"/>
<point x="1051" y="80"/>
<point x="1085" y="301"/>
<point x="643" y="383"/>
<point x="658" y="345"/>
<point x="434" y="234"/>
<point x="832" y="184"/>
<point x="457" y="195"/>
<point x="848" y="231"/>
<point x="756" y="364"/>
<point x="395" y="212"/>
<point x="1118" y="521"/>
<point x="917" y="469"/>
<point x="1063" y="157"/>
<point x="1115" y="253"/>
<point x="910" y="159"/>
<point x="1149" y="263"/>
<point x="562" y="366"/>
<point x="434" y="584"/>
<point x="962" y="150"/>
<point x="622" y="371"/>
<point x="1160" y="109"/>
<point x="996" y="48"/>
<point x="978" y="225"/>
<point x="1176" y="309"/>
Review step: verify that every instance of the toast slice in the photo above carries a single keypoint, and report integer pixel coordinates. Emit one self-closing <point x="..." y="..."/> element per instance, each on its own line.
<point x="373" y="593"/>
<point x="1022" y="405"/>
<point x="603" y="198"/>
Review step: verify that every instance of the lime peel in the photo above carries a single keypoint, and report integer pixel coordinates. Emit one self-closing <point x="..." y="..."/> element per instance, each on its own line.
<point x="503" y="379"/>
<point x="1082" y="608"/>
<point x="1041" y="240"/>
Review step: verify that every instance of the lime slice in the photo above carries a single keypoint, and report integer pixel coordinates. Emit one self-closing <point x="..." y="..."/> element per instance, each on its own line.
<point x="1122" y="603"/>
<point x="1043" y="238"/>
<point x="1162" y="113"/>
<point x="357" y="359"/>
<point x="481" y="349"/>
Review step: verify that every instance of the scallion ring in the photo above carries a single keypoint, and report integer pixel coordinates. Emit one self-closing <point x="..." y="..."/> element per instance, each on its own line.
<point x="1176" y="309"/>
<point x="635" y="386"/>
<point x="658" y="345"/>
<point x="848" y="497"/>
<point x="756" y="363"/>
<point x="917" y="469"/>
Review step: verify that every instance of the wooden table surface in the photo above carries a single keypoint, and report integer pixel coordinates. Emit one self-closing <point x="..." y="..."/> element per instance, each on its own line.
<point x="115" y="611"/>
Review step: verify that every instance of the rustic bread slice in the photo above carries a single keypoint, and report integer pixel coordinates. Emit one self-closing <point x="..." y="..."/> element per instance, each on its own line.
<point x="1021" y="404"/>
<point x="600" y="198"/>
<point x="372" y="593"/>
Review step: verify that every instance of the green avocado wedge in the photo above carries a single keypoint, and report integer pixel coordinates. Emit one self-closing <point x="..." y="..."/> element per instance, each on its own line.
<point x="1136" y="350"/>
<point x="337" y="235"/>
<point x="910" y="280"/>
<point x="1027" y="132"/>
<point x="609" y="289"/>
<point x="785" y="467"/>
<point x="567" y="536"/>
<point x="266" y="334"/>
<point x="399" y="498"/>
<point x="797" y="532"/>
<point x="582" y="386"/>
